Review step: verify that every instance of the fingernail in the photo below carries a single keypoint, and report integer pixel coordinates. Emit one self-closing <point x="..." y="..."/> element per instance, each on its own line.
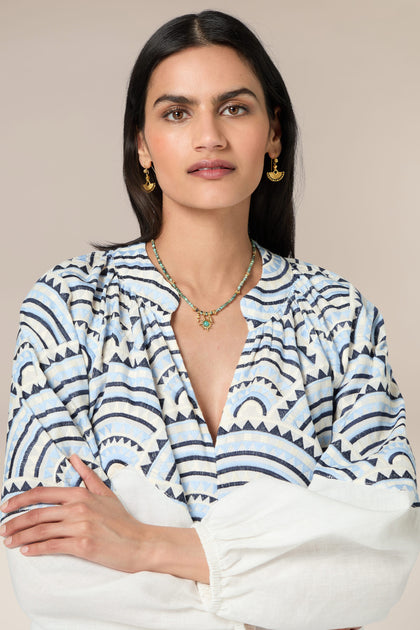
<point x="2" y="530"/>
<point x="25" y="549"/>
<point x="3" y="507"/>
<point x="8" y="541"/>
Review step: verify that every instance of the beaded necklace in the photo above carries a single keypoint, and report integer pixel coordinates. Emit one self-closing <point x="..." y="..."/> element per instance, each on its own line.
<point x="205" y="318"/>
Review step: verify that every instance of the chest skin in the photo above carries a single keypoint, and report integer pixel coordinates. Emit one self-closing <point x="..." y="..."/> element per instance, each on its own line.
<point x="211" y="357"/>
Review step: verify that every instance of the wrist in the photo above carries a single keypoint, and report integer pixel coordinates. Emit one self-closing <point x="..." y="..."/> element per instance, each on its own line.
<point x="149" y="548"/>
<point x="176" y="551"/>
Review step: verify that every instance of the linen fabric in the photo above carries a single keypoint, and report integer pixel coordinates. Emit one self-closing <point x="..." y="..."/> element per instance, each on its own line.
<point x="306" y="505"/>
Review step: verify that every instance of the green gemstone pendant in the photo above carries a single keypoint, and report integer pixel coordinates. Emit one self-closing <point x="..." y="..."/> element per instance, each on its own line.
<point x="205" y="320"/>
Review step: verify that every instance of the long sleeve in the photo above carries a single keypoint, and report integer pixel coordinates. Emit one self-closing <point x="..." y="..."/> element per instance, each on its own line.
<point x="338" y="552"/>
<point x="52" y="414"/>
<point x="49" y="401"/>
<point x="62" y="592"/>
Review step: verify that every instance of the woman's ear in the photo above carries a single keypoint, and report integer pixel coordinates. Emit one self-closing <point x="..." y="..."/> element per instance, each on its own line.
<point x="274" y="137"/>
<point x="143" y="151"/>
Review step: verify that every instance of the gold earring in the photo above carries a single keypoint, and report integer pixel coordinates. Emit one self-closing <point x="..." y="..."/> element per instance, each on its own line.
<point x="274" y="175"/>
<point x="148" y="186"/>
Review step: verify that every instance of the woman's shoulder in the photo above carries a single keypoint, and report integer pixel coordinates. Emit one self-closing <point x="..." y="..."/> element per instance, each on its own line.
<point x="311" y="276"/>
<point x="321" y="295"/>
<point x="88" y="267"/>
<point x="91" y="271"/>
<point x="73" y="298"/>
<point x="81" y="287"/>
<point x="307" y="280"/>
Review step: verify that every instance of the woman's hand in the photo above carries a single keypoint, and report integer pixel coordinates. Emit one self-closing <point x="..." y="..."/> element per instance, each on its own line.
<point x="89" y="523"/>
<point x="92" y="523"/>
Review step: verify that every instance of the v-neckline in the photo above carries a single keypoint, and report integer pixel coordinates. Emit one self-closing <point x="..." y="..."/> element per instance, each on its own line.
<point x="266" y="299"/>
<point x="179" y="359"/>
<point x="188" y="386"/>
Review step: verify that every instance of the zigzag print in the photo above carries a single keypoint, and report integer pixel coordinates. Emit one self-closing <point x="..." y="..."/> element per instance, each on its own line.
<point x="98" y="371"/>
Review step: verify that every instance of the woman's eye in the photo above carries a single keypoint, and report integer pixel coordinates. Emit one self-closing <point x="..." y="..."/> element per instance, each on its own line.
<point x="234" y="110"/>
<point x="176" y="115"/>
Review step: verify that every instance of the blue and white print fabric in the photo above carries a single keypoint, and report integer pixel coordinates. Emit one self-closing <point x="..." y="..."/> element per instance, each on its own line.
<point x="98" y="372"/>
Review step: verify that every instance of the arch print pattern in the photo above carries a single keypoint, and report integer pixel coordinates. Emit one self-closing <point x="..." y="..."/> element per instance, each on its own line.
<point x="98" y="371"/>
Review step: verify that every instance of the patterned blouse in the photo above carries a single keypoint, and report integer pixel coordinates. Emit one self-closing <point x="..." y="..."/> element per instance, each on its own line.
<point x="302" y="488"/>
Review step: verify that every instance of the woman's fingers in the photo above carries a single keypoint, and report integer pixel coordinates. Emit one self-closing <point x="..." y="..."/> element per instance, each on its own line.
<point x="32" y="518"/>
<point x="48" y="531"/>
<point x="89" y="523"/>
<point x="91" y="479"/>
<point x="81" y="547"/>
<point x="60" y="521"/>
<point x="56" y="496"/>
<point x="86" y="539"/>
<point x="47" y="495"/>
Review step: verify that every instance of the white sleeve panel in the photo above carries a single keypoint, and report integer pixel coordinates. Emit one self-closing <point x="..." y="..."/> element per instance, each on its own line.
<point x="67" y="593"/>
<point x="284" y="557"/>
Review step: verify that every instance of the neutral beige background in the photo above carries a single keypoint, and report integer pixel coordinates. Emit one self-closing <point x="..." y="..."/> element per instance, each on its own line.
<point x="352" y="71"/>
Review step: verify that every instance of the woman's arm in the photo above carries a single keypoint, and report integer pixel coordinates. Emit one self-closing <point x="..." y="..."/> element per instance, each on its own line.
<point x="52" y="406"/>
<point x="282" y="555"/>
<point x="91" y="523"/>
<point x="340" y="550"/>
<point x="57" y="590"/>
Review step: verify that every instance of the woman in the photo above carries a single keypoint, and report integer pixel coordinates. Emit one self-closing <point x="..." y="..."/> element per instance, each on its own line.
<point x="244" y="458"/>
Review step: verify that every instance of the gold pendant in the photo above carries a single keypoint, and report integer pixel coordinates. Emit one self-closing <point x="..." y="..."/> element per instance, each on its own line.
<point x="275" y="176"/>
<point x="149" y="186"/>
<point x="205" y="320"/>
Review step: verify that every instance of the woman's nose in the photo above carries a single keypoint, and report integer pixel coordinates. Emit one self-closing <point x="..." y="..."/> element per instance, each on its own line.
<point x="208" y="133"/>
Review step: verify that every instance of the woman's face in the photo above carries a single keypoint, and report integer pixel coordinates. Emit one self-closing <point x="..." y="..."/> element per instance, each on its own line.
<point x="206" y="129"/>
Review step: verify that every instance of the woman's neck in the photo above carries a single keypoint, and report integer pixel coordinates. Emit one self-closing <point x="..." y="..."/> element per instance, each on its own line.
<point x="206" y="253"/>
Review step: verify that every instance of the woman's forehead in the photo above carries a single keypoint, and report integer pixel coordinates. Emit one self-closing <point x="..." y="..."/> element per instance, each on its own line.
<point x="209" y="70"/>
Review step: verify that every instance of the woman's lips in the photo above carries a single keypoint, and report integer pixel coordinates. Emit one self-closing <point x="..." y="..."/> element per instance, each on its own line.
<point x="211" y="169"/>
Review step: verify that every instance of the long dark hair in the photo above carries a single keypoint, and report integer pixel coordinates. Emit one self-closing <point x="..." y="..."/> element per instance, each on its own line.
<point x="271" y="217"/>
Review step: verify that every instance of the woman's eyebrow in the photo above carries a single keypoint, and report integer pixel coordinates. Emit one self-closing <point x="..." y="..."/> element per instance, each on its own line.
<point x="173" y="98"/>
<point x="184" y="100"/>
<point x="226" y="96"/>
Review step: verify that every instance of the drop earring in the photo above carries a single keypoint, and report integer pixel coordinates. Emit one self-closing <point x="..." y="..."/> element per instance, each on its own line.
<point x="148" y="186"/>
<point x="274" y="175"/>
